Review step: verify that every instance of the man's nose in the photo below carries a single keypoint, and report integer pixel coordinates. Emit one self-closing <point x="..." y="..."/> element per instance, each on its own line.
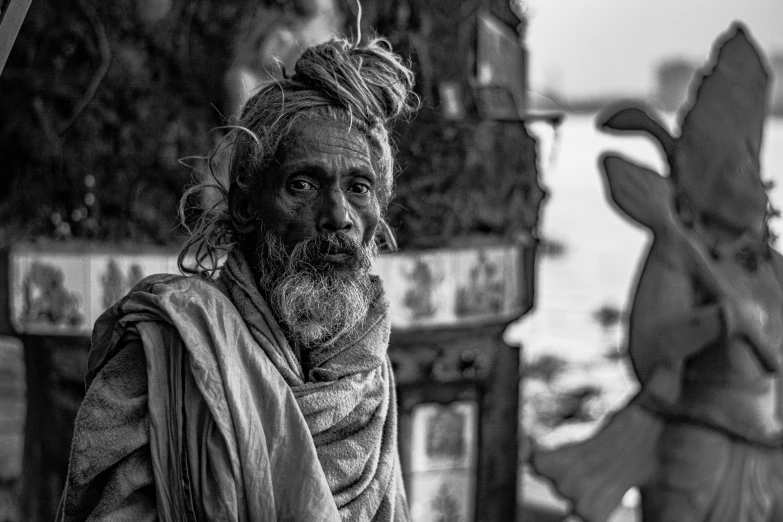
<point x="335" y="216"/>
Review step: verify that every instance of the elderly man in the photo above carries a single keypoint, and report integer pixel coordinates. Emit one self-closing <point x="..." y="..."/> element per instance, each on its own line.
<point x="258" y="387"/>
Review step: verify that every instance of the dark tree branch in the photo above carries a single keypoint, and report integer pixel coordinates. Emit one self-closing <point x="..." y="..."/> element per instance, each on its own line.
<point x="103" y="46"/>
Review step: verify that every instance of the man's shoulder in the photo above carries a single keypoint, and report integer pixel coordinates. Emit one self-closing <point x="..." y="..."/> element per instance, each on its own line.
<point x="174" y="298"/>
<point x="160" y="283"/>
<point x="178" y="288"/>
<point x="163" y="303"/>
<point x="159" y="298"/>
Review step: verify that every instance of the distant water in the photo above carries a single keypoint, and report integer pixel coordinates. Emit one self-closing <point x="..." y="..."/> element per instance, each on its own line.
<point x="602" y="248"/>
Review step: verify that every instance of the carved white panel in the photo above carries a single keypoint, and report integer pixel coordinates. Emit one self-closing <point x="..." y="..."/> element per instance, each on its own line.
<point x="444" y="452"/>
<point x="454" y="287"/>
<point x="63" y="289"/>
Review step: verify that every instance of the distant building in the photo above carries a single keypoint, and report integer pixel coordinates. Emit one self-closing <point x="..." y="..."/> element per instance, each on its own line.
<point x="674" y="78"/>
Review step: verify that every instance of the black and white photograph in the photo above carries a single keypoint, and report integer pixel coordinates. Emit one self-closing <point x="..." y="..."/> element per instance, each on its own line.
<point x="391" y="260"/>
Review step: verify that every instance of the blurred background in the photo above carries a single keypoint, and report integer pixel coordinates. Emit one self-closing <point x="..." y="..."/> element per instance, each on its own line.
<point x="583" y="57"/>
<point x="100" y="103"/>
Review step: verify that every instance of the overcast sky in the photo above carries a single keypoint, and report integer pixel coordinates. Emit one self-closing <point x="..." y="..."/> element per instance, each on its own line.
<point x="596" y="47"/>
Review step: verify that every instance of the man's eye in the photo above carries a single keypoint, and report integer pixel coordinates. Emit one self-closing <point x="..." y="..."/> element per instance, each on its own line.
<point x="360" y="188"/>
<point x="301" y="184"/>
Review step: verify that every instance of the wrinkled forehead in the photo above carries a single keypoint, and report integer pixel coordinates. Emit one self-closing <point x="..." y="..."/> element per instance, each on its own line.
<point x="319" y="138"/>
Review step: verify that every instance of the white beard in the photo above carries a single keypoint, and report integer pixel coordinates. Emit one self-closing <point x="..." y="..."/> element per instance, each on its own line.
<point x="317" y="304"/>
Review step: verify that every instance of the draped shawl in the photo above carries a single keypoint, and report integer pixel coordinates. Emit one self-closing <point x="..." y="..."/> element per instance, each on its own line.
<point x="236" y="431"/>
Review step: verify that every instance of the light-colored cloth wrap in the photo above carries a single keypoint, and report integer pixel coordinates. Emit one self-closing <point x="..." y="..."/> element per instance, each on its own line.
<point x="236" y="431"/>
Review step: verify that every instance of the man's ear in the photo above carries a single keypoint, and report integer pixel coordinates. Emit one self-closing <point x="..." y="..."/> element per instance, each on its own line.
<point x="241" y="208"/>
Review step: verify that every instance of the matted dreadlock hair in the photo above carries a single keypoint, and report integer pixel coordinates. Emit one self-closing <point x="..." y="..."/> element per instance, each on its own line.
<point x="365" y="86"/>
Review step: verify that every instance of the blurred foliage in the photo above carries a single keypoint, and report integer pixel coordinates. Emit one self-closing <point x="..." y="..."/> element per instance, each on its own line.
<point x="464" y="178"/>
<point x="148" y="74"/>
<point x="101" y="99"/>
<point x="461" y="177"/>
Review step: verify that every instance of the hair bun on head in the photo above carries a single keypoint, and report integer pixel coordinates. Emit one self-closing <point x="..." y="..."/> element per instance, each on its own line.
<point x="368" y="80"/>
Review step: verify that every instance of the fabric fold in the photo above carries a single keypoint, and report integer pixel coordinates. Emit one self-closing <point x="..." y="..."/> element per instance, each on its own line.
<point x="348" y="401"/>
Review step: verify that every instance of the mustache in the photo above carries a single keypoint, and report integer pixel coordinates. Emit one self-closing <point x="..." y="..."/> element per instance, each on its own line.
<point x="312" y="251"/>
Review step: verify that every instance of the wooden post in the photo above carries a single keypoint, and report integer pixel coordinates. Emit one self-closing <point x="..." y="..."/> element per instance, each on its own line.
<point x="10" y="22"/>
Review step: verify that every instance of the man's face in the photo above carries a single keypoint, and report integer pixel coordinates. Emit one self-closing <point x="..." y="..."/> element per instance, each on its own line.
<point x="317" y="212"/>
<point x="323" y="183"/>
